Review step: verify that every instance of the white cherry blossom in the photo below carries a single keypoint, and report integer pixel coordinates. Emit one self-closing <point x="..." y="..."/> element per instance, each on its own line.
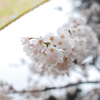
<point x="25" y="40"/>
<point x="57" y="53"/>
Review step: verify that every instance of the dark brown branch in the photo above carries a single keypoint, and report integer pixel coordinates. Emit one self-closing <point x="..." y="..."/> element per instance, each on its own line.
<point x="53" y="88"/>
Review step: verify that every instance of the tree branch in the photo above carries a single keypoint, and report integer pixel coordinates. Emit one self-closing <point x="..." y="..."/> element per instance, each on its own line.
<point x="53" y="88"/>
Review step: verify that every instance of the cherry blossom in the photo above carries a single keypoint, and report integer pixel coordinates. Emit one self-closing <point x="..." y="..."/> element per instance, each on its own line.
<point x="57" y="53"/>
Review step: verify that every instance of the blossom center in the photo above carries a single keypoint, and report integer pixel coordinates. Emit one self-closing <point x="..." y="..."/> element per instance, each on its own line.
<point x="52" y="50"/>
<point x="73" y="49"/>
<point x="73" y="31"/>
<point x="52" y="38"/>
<point x="62" y="36"/>
<point x="44" y="53"/>
<point x="60" y="43"/>
<point x="40" y="41"/>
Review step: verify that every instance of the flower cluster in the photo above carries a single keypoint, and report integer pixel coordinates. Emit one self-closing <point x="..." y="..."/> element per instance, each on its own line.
<point x="88" y="40"/>
<point x="92" y="14"/>
<point x="75" y="21"/>
<point x="94" y="10"/>
<point x="56" y="54"/>
<point x="52" y="52"/>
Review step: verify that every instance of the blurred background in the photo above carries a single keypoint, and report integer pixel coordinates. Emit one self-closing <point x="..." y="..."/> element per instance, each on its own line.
<point x="14" y="64"/>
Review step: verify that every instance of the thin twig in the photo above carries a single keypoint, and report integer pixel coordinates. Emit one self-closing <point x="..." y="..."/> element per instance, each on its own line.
<point x="53" y="88"/>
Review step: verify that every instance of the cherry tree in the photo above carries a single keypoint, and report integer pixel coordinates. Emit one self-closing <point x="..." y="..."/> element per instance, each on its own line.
<point x="76" y="45"/>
